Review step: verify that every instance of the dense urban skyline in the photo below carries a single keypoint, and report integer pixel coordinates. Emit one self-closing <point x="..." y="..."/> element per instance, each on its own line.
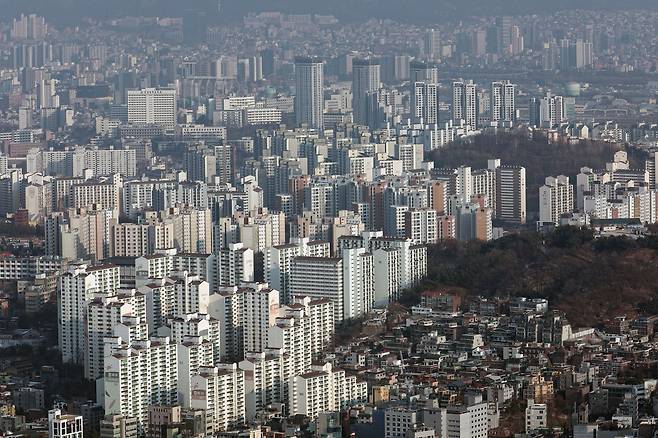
<point x="329" y="219"/>
<point x="421" y="11"/>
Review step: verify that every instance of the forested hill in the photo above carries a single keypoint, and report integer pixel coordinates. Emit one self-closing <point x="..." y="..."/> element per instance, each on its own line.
<point x="590" y="279"/>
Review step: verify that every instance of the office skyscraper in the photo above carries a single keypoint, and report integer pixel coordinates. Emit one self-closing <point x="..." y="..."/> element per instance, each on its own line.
<point x="504" y="26"/>
<point x="432" y="44"/>
<point x="195" y="26"/>
<point x="309" y="98"/>
<point x="366" y="79"/>
<point x="267" y="56"/>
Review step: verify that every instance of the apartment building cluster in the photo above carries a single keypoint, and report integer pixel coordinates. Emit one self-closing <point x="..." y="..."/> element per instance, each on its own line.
<point x="161" y="337"/>
<point x="615" y="194"/>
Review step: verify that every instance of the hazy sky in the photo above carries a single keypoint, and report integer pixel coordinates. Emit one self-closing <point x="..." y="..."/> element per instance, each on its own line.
<point x="352" y="10"/>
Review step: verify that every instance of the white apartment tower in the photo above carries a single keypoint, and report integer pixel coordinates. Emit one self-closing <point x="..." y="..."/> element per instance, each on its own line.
<point x="555" y="199"/>
<point x="245" y="315"/>
<point x="219" y="391"/>
<point x="264" y="381"/>
<point x="421" y="226"/>
<point x="467" y="421"/>
<point x="324" y="389"/>
<point x="197" y="338"/>
<point x="103" y="315"/>
<point x="76" y="289"/>
<point x="431" y="44"/>
<point x="152" y="106"/>
<point x="231" y="266"/>
<point x="176" y="296"/>
<point x="386" y="271"/>
<point x="503" y="103"/>
<point x="358" y="290"/>
<point x="138" y="375"/>
<point x="304" y="330"/>
<point x="424" y="101"/>
<point x="465" y="103"/>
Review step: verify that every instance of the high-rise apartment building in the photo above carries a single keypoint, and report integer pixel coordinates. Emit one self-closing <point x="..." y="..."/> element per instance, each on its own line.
<point x="473" y="222"/>
<point x="30" y="27"/>
<point x="425" y="103"/>
<point x="103" y="315"/>
<point x="324" y="389"/>
<point x="465" y="103"/>
<point x="77" y="288"/>
<point x="504" y="27"/>
<point x="212" y="165"/>
<point x="245" y="314"/>
<point x="510" y="192"/>
<point x="555" y="199"/>
<point x="548" y="112"/>
<point x="151" y="106"/>
<point x="319" y="277"/>
<point x="358" y="290"/>
<point x="536" y="416"/>
<point x="138" y="375"/>
<point x="503" y="104"/>
<point x="103" y="193"/>
<point x="301" y="331"/>
<point x="421" y="226"/>
<point x="399" y="421"/>
<point x="575" y="55"/>
<point x="304" y="329"/>
<point x="279" y="261"/>
<point x="230" y="266"/>
<point x="466" y="421"/>
<point x="219" y="391"/>
<point x="197" y="337"/>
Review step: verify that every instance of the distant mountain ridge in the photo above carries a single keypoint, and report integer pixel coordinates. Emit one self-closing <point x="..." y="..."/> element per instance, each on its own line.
<point x="420" y="11"/>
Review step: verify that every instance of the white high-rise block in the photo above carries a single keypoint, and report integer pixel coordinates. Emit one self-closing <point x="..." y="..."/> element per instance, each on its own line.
<point x="152" y="106"/>
<point x="219" y="391"/>
<point x="77" y="288"/>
